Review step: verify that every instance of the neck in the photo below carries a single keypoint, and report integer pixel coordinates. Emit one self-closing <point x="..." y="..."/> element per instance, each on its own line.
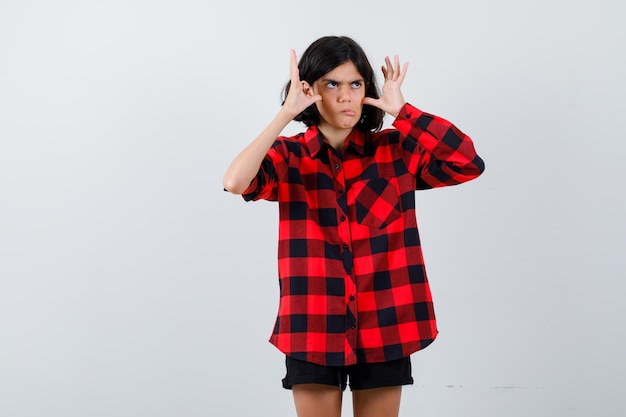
<point x="335" y="137"/>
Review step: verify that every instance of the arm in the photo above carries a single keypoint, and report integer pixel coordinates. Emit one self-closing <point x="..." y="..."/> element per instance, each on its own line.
<point x="435" y="150"/>
<point x="245" y="166"/>
<point x="437" y="153"/>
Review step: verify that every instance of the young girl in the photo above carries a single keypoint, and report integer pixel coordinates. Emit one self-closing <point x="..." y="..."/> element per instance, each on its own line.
<point x="354" y="297"/>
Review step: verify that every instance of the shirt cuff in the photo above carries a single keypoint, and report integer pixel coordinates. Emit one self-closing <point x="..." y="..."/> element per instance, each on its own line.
<point x="408" y="111"/>
<point x="412" y="122"/>
<point x="405" y="120"/>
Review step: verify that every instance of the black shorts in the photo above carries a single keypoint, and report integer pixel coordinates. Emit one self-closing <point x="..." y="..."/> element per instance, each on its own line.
<point x="362" y="376"/>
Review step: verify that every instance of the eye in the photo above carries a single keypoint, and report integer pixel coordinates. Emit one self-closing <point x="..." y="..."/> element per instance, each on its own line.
<point x="331" y="84"/>
<point x="356" y="84"/>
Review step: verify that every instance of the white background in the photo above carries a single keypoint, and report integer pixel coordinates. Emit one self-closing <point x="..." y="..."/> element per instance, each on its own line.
<point x="132" y="285"/>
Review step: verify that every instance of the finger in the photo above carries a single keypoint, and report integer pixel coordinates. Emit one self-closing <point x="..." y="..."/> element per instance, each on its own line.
<point x="396" y="61"/>
<point x="384" y="72"/>
<point x="389" y="73"/>
<point x="294" y="73"/>
<point x="311" y="98"/>
<point x="405" y="67"/>
<point x="315" y="98"/>
<point x="370" y="101"/>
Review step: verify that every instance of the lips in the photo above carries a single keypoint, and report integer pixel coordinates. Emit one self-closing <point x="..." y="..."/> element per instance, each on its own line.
<point x="348" y="112"/>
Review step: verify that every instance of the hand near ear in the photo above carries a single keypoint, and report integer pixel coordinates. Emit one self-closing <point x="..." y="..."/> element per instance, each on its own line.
<point x="300" y="94"/>
<point x="391" y="100"/>
<point x="245" y="166"/>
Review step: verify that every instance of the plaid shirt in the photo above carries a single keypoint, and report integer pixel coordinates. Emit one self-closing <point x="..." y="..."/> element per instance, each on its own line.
<point x="353" y="286"/>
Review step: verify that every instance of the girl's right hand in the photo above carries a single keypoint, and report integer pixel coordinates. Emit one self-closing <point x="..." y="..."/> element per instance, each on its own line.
<point x="301" y="94"/>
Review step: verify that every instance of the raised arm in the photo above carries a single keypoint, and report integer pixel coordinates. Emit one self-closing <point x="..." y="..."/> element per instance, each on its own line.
<point x="245" y="166"/>
<point x="438" y="153"/>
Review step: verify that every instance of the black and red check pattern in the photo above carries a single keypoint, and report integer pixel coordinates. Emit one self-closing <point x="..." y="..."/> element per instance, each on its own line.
<point x="353" y="286"/>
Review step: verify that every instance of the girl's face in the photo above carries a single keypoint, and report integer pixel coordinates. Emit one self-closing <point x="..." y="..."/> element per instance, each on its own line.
<point x="342" y="91"/>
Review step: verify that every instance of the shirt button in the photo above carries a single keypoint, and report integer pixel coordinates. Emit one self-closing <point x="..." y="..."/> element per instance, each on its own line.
<point x="336" y="166"/>
<point x="353" y="326"/>
<point x="352" y="298"/>
<point x="345" y="246"/>
<point x="340" y="191"/>
<point x="348" y="271"/>
<point x="343" y="218"/>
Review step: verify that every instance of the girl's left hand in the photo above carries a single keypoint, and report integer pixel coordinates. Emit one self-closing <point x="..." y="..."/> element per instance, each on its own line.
<point x="391" y="100"/>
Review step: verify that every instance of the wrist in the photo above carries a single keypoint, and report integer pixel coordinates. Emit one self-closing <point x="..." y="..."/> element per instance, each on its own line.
<point x="286" y="114"/>
<point x="396" y="111"/>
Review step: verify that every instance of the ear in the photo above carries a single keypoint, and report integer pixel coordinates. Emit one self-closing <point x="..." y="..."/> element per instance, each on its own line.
<point x="307" y="89"/>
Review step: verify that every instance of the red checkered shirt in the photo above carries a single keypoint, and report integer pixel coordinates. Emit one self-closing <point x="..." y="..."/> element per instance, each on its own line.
<point x="353" y="286"/>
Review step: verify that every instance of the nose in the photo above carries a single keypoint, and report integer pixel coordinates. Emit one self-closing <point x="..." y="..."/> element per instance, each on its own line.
<point x="344" y="93"/>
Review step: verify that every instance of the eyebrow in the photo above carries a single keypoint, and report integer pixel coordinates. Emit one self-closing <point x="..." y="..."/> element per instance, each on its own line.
<point x="326" y="80"/>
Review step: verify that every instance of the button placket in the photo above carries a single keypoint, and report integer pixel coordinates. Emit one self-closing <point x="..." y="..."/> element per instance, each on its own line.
<point x="336" y="167"/>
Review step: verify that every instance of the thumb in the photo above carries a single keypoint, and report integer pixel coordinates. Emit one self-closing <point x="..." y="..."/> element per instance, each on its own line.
<point x="370" y="101"/>
<point x="314" y="98"/>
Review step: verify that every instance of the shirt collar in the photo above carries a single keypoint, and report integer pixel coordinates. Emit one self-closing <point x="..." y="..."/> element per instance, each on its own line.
<point x="315" y="141"/>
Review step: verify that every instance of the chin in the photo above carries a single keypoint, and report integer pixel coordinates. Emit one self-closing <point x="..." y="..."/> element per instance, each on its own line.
<point x="346" y="125"/>
<point x="350" y="123"/>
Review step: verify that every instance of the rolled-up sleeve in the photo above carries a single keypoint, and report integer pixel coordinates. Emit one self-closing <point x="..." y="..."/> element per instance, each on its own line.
<point x="435" y="150"/>
<point x="264" y="186"/>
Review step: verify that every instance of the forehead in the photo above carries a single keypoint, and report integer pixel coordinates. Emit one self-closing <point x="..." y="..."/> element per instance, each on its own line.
<point x="344" y="72"/>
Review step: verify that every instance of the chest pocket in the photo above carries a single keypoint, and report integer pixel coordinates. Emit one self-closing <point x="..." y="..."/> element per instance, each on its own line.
<point x="377" y="202"/>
